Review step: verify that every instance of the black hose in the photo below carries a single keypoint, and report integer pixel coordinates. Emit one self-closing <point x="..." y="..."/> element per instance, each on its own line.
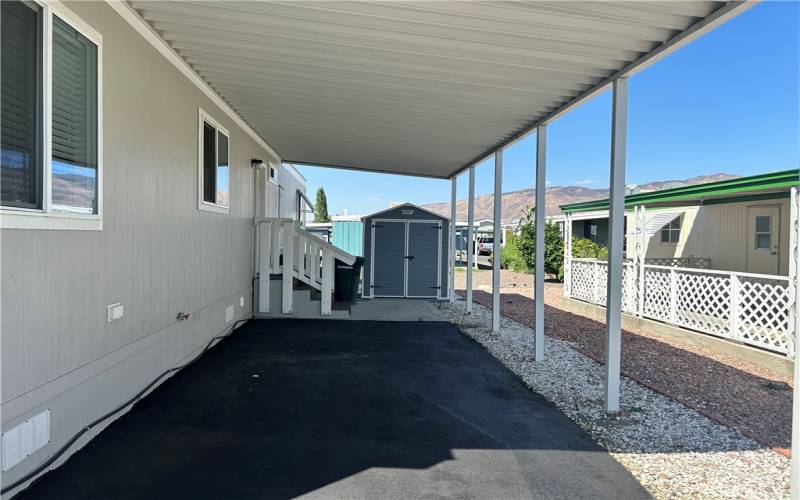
<point x="44" y="465"/>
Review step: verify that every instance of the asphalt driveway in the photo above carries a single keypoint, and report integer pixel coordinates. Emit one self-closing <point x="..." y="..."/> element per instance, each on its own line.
<point x="342" y="409"/>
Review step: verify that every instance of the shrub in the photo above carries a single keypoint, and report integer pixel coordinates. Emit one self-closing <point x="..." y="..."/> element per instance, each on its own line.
<point x="511" y="258"/>
<point x="583" y="248"/>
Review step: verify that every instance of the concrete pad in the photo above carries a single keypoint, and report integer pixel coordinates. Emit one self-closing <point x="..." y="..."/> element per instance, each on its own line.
<point x="390" y="309"/>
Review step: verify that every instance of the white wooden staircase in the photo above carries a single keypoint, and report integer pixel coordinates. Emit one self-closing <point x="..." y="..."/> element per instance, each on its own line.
<point x="296" y="271"/>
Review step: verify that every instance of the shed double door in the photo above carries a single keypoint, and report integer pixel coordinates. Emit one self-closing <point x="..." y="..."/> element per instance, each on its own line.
<point x="406" y="258"/>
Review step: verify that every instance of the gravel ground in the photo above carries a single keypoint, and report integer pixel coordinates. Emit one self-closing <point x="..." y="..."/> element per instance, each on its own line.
<point x="674" y="451"/>
<point x="723" y="387"/>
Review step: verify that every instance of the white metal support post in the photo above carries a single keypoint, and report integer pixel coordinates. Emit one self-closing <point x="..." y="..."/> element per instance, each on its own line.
<point x="538" y="315"/>
<point x="567" y="255"/>
<point x="616" y="212"/>
<point x="326" y="299"/>
<point x="497" y="235"/>
<point x="642" y="253"/>
<point x="288" y="266"/>
<point x="794" y="267"/>
<point x="451" y="260"/>
<point x="470" y="235"/>
<point x="264" y="231"/>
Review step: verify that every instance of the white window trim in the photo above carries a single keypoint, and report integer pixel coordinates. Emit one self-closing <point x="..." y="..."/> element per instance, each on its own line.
<point x="201" y="203"/>
<point x="47" y="217"/>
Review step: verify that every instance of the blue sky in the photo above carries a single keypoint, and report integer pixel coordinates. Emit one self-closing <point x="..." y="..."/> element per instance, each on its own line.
<point x="728" y="102"/>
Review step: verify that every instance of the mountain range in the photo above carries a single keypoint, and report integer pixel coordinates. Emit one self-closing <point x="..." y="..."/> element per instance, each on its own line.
<point x="515" y="203"/>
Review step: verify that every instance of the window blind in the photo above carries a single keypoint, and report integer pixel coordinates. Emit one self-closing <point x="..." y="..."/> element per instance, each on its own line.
<point x="209" y="163"/>
<point x="20" y="105"/>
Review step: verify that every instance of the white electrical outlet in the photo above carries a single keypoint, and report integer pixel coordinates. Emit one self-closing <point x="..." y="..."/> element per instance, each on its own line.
<point x="241" y="301"/>
<point x="229" y="313"/>
<point x="115" y="311"/>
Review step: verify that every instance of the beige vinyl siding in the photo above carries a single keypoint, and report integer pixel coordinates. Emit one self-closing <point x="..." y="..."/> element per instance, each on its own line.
<point x="157" y="253"/>
<point x="720" y="232"/>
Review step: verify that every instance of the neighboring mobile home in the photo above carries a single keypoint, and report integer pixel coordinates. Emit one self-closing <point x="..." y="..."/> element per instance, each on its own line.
<point x="738" y="224"/>
<point x="710" y="257"/>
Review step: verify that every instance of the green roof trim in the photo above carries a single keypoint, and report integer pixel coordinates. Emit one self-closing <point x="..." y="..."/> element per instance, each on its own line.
<point x="699" y="192"/>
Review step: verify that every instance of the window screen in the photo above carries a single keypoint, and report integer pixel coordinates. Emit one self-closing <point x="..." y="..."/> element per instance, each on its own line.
<point x="20" y="106"/>
<point x="74" y="165"/>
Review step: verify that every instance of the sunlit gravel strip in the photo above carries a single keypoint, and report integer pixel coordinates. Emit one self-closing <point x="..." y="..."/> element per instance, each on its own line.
<point x="672" y="451"/>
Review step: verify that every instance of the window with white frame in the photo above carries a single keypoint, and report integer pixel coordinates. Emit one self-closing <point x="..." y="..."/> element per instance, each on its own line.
<point x="763" y="232"/>
<point x="213" y="165"/>
<point x="50" y="112"/>
<point x="671" y="233"/>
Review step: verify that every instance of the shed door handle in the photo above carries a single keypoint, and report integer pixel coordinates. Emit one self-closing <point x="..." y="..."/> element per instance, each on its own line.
<point x="409" y="257"/>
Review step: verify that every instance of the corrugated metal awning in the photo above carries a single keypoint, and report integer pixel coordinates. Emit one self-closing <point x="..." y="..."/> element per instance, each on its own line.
<point x="415" y="87"/>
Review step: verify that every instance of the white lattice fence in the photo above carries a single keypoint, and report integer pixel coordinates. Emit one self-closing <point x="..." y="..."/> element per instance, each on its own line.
<point x="691" y="261"/>
<point x="583" y="280"/>
<point x="589" y="282"/>
<point x="703" y="302"/>
<point x="657" y="294"/>
<point x="762" y="313"/>
<point x="749" y="308"/>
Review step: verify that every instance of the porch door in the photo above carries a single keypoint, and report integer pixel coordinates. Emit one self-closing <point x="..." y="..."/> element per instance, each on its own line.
<point x="424" y="258"/>
<point x="763" y="227"/>
<point x="388" y="258"/>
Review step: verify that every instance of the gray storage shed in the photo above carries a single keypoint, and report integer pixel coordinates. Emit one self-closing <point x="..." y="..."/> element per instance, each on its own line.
<point x="405" y="253"/>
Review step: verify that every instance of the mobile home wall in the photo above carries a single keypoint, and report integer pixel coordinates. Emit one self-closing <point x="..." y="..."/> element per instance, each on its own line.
<point x="157" y="253"/>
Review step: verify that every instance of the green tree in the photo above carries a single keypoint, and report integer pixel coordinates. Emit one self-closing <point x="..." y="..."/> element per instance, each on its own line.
<point x="525" y="242"/>
<point x="321" y="210"/>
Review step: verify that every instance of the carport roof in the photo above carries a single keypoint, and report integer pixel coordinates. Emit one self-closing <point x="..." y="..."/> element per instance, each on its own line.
<point x="413" y="87"/>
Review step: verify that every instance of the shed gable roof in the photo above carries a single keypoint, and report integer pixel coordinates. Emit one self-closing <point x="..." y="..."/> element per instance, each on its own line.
<point x="406" y="205"/>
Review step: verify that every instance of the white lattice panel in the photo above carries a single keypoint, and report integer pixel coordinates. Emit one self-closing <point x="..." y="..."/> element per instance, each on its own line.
<point x="590" y="279"/>
<point x="583" y="280"/>
<point x="630" y="291"/>
<point x="703" y="302"/>
<point x="763" y="313"/>
<point x="601" y="283"/>
<point x="656" y="294"/>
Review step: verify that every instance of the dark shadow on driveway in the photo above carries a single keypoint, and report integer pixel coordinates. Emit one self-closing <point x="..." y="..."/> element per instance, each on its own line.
<point x="341" y="409"/>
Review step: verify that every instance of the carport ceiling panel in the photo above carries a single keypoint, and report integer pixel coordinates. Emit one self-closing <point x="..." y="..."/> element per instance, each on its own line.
<point x="408" y="87"/>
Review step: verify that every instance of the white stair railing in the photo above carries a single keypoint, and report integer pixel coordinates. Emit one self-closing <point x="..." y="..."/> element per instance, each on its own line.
<point x="285" y="248"/>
